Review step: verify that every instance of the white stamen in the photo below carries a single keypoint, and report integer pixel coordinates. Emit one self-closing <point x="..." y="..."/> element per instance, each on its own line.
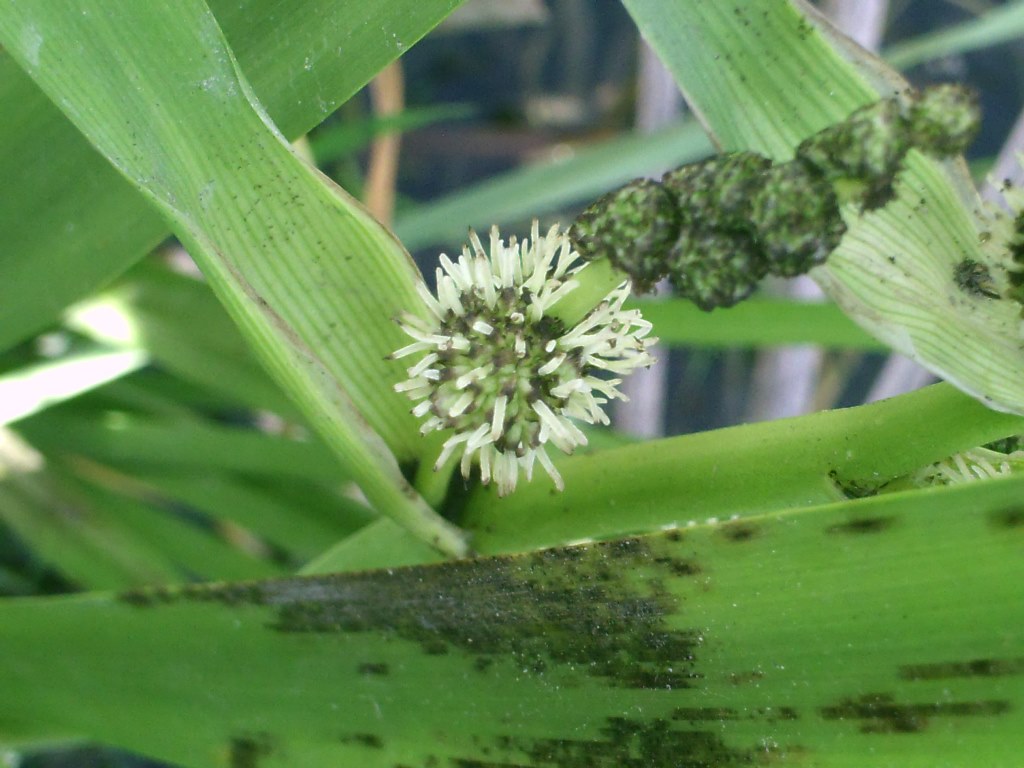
<point x="460" y="405"/>
<point x="481" y="327"/>
<point x="498" y="420"/>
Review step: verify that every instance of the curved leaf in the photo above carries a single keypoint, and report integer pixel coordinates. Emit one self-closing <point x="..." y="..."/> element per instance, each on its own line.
<point x="308" y="275"/>
<point x="63" y="240"/>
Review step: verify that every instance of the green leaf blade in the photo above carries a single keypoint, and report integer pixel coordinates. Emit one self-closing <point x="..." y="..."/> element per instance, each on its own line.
<point x="882" y="631"/>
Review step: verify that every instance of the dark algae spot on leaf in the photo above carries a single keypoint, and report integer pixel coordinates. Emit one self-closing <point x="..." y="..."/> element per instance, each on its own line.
<point x="853" y="488"/>
<point x="369" y="740"/>
<point x="247" y="750"/>
<point x="374" y="669"/>
<point x="1010" y="517"/>
<point x="974" y="278"/>
<point x="740" y="531"/>
<point x="862" y="525"/>
<point x="970" y="668"/>
<point x="599" y="610"/>
<point x="701" y="714"/>
<point x="241" y="593"/>
<point x="575" y="606"/>
<point x="746" y="678"/>
<point x="629" y="743"/>
<point x="880" y="712"/>
<point x="679" y="566"/>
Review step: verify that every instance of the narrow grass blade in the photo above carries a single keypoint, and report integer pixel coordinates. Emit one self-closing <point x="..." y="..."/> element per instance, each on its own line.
<point x="146" y="308"/>
<point x="335" y="141"/>
<point x="64" y="240"/>
<point x="33" y="389"/>
<point x="755" y="323"/>
<point x="535" y="190"/>
<point x="310" y="277"/>
<point x="183" y="446"/>
<point x="996" y="25"/>
<point x="93" y="539"/>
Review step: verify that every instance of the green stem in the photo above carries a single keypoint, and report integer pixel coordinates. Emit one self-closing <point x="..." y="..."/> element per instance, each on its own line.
<point x="595" y="282"/>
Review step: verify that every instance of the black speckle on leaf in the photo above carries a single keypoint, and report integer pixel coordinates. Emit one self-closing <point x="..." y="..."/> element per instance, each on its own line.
<point x="862" y="525"/>
<point x="632" y="743"/>
<point x="974" y="278"/>
<point x="1010" y="517"/>
<point x="247" y="750"/>
<point x="740" y="531"/>
<point x="853" y="488"/>
<point x="368" y="740"/>
<point x="971" y="668"/>
<point x="583" y="609"/>
<point x="881" y="713"/>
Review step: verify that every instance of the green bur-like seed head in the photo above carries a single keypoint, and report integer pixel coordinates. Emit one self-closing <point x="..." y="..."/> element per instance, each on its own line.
<point x="715" y="268"/>
<point x="943" y="120"/>
<point x="867" y="148"/>
<point x="797" y="217"/>
<point x="717" y="191"/>
<point x="634" y="227"/>
<point x="716" y="262"/>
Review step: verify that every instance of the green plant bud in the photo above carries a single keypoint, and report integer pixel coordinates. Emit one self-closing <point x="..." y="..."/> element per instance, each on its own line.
<point x="797" y="216"/>
<point x="943" y="120"/>
<point x="867" y="147"/>
<point x="634" y="227"/>
<point x="718" y="189"/>
<point x="714" y="267"/>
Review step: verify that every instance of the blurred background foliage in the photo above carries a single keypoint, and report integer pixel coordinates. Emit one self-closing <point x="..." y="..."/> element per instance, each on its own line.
<point x="182" y="461"/>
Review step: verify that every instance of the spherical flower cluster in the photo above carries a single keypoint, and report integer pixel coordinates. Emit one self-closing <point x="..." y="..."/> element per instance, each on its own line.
<point x="500" y="368"/>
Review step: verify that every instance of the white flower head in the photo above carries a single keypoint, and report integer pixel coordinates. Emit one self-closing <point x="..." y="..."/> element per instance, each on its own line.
<point x="504" y="372"/>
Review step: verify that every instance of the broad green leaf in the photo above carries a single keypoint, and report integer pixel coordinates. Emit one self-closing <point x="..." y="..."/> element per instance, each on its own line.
<point x="538" y="189"/>
<point x="754" y="323"/>
<point x="883" y="631"/>
<point x="763" y="75"/>
<point x="62" y="241"/>
<point x="33" y="389"/>
<point x="309" y="276"/>
<point x="997" y="25"/>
